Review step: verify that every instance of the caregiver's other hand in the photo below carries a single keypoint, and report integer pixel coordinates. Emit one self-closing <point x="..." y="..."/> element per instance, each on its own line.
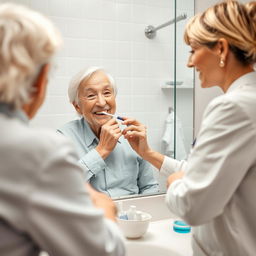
<point x="174" y="176"/>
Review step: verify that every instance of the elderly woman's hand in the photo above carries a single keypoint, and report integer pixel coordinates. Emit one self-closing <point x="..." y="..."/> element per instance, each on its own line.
<point x="109" y="135"/>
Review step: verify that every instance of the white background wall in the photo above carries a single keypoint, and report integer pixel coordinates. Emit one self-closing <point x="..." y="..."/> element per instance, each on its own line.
<point x="110" y="33"/>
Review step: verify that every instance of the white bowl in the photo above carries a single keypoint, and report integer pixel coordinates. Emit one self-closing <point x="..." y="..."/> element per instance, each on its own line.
<point x="135" y="228"/>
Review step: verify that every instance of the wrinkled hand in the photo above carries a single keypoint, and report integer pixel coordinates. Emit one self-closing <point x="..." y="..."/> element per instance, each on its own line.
<point x="109" y="135"/>
<point x="136" y="134"/>
<point x="174" y="176"/>
<point x="102" y="201"/>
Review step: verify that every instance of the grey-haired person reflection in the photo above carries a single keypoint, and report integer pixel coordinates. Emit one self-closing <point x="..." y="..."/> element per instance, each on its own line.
<point x="213" y="191"/>
<point x="110" y="164"/>
<point x="45" y="204"/>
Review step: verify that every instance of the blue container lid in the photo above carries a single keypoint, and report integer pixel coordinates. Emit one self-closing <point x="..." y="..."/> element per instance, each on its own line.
<point x="180" y="226"/>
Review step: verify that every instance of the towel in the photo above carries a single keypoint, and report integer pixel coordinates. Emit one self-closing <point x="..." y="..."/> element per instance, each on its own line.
<point x="168" y="138"/>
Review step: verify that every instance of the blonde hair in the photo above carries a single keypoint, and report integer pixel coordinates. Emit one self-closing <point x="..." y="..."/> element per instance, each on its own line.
<point x="251" y="9"/>
<point x="82" y="76"/>
<point x="28" y="40"/>
<point x="231" y="20"/>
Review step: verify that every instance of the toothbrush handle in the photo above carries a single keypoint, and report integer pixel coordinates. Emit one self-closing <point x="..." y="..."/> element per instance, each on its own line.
<point x="120" y="118"/>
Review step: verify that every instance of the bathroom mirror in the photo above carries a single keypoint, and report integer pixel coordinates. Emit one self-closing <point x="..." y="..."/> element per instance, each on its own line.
<point x="151" y="74"/>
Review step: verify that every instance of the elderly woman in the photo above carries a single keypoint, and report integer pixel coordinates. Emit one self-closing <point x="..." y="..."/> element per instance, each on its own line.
<point x="110" y="164"/>
<point x="216" y="193"/>
<point x="44" y="202"/>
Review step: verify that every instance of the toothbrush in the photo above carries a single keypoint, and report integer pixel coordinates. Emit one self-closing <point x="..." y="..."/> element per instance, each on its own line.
<point x="107" y="114"/>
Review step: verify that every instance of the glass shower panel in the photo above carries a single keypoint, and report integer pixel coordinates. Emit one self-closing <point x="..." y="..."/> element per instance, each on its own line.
<point x="183" y="96"/>
<point x="170" y="111"/>
<point x="179" y="86"/>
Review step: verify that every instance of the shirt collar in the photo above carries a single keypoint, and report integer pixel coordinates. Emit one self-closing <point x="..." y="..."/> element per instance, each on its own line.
<point x="249" y="78"/>
<point x="89" y="136"/>
<point x="8" y="110"/>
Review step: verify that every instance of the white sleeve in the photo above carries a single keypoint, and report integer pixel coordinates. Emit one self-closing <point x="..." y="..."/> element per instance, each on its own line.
<point x="171" y="165"/>
<point x="214" y="170"/>
<point x="62" y="218"/>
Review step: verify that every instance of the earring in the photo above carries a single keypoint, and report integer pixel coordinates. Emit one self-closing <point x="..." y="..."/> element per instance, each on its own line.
<point x="222" y="63"/>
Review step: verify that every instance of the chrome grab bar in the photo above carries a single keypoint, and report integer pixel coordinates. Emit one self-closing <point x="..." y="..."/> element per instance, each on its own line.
<point x="150" y="31"/>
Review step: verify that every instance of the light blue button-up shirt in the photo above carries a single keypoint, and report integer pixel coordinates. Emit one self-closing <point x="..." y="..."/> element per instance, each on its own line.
<point x="122" y="173"/>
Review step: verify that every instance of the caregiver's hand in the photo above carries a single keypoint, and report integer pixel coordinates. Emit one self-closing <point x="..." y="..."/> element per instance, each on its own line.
<point x="136" y="134"/>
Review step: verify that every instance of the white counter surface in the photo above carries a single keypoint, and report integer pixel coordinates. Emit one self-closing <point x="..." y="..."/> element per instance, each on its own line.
<point x="161" y="239"/>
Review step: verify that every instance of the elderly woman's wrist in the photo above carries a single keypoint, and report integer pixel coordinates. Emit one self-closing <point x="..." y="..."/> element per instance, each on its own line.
<point x="102" y="152"/>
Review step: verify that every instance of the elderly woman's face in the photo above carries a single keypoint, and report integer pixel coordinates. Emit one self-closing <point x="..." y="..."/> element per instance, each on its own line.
<point x="206" y="62"/>
<point x="96" y="95"/>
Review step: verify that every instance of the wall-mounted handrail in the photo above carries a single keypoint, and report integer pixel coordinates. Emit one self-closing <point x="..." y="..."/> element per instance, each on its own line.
<point x="150" y="31"/>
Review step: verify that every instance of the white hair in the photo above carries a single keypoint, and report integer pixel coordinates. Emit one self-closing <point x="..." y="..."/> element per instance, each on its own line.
<point x="28" y="40"/>
<point x="84" y="75"/>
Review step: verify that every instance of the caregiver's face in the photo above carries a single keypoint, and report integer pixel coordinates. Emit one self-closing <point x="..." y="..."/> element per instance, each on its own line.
<point x="206" y="62"/>
<point x="96" y="95"/>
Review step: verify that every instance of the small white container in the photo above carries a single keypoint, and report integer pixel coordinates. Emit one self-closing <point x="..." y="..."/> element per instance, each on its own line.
<point x="135" y="228"/>
<point x="131" y="213"/>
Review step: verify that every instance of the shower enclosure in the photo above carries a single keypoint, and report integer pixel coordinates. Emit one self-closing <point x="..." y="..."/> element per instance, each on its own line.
<point x="183" y="88"/>
<point x="178" y="87"/>
<point x="178" y="130"/>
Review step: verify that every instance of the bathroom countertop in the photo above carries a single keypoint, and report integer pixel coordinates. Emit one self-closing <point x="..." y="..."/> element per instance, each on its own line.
<point x="160" y="235"/>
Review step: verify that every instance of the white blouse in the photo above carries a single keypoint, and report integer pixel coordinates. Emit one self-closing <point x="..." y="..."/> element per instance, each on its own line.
<point x="216" y="194"/>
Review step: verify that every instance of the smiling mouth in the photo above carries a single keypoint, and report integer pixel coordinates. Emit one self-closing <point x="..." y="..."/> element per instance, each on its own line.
<point x="99" y="113"/>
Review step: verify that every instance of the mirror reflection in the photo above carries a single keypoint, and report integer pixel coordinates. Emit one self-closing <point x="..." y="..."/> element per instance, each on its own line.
<point x="154" y="84"/>
<point x="109" y="162"/>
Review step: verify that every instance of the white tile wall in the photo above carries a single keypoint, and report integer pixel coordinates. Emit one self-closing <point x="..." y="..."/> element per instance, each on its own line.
<point x="110" y="33"/>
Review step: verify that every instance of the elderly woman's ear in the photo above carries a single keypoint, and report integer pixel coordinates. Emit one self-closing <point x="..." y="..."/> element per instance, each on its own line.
<point x="77" y="107"/>
<point x="39" y="90"/>
<point x="42" y="79"/>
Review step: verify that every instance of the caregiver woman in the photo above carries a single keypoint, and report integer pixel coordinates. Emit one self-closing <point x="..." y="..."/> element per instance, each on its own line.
<point x="217" y="193"/>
